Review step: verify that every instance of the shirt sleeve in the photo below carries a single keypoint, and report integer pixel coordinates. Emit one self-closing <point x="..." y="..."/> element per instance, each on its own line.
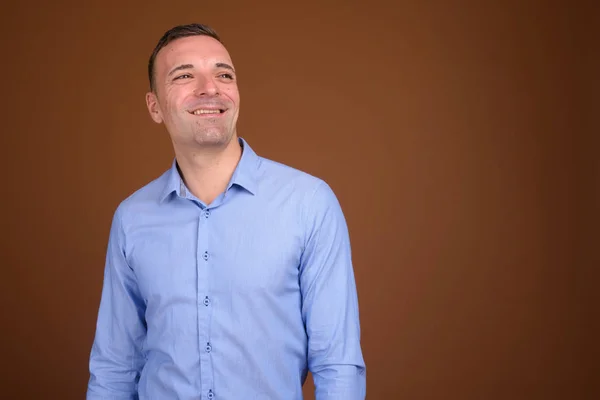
<point x="330" y="302"/>
<point x="116" y="357"/>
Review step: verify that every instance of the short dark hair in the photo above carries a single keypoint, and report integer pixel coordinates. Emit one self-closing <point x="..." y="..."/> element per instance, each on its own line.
<point x="177" y="32"/>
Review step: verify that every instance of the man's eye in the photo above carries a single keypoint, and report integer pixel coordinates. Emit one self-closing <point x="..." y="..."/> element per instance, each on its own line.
<point x="183" y="76"/>
<point x="226" y="76"/>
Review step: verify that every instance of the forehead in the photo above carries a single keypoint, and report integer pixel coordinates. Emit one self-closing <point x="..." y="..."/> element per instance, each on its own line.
<point x="192" y="50"/>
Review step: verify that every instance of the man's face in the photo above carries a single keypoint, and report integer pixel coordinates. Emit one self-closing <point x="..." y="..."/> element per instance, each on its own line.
<point x="196" y="93"/>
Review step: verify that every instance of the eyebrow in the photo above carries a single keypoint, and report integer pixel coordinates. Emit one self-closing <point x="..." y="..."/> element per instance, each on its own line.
<point x="180" y="67"/>
<point x="189" y="66"/>
<point x="224" y="65"/>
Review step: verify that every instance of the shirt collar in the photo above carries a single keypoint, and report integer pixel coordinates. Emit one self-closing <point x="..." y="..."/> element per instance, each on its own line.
<point x="244" y="175"/>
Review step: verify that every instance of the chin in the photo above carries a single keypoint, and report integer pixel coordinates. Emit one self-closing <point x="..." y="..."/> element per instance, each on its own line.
<point x="213" y="138"/>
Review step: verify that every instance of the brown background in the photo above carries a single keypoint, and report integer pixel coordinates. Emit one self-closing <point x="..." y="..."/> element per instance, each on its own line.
<point x="455" y="134"/>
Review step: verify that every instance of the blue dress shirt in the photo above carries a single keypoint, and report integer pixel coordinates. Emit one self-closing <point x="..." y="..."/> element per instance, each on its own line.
<point x="235" y="300"/>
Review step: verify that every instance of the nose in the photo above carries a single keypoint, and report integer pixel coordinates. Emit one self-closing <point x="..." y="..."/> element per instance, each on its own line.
<point x="206" y="86"/>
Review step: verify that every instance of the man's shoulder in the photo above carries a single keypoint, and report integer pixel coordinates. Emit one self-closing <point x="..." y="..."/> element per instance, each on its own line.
<point x="279" y="175"/>
<point x="297" y="186"/>
<point x="145" y="197"/>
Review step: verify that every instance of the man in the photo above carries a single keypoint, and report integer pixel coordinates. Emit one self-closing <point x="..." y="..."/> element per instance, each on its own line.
<point x="229" y="276"/>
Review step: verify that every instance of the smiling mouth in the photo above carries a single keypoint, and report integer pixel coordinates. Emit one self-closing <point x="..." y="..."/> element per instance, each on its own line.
<point x="208" y="111"/>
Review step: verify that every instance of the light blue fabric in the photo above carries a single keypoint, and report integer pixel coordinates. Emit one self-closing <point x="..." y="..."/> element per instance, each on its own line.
<point x="234" y="301"/>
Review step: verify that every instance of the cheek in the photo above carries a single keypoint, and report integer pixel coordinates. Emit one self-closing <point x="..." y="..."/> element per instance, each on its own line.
<point x="172" y="100"/>
<point x="233" y="94"/>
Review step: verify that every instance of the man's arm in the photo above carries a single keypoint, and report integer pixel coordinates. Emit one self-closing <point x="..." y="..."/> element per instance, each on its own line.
<point x="330" y="303"/>
<point x="116" y="358"/>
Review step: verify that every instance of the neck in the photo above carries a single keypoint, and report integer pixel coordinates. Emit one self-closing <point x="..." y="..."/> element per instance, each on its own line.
<point x="207" y="171"/>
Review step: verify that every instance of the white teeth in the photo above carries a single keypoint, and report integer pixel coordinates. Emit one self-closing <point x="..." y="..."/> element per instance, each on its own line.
<point x="198" y="112"/>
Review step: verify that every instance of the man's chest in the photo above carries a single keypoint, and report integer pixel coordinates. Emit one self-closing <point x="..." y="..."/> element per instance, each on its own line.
<point x="207" y="252"/>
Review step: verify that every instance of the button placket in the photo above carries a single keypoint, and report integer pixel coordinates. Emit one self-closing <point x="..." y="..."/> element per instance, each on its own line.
<point x="204" y="312"/>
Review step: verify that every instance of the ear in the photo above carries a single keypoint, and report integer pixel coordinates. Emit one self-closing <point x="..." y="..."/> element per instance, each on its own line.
<point x="153" y="107"/>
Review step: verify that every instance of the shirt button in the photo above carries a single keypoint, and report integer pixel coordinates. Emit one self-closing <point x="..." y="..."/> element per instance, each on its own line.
<point x="205" y="255"/>
<point x="206" y="301"/>
<point x="208" y="348"/>
<point x="210" y="394"/>
<point x="206" y="213"/>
